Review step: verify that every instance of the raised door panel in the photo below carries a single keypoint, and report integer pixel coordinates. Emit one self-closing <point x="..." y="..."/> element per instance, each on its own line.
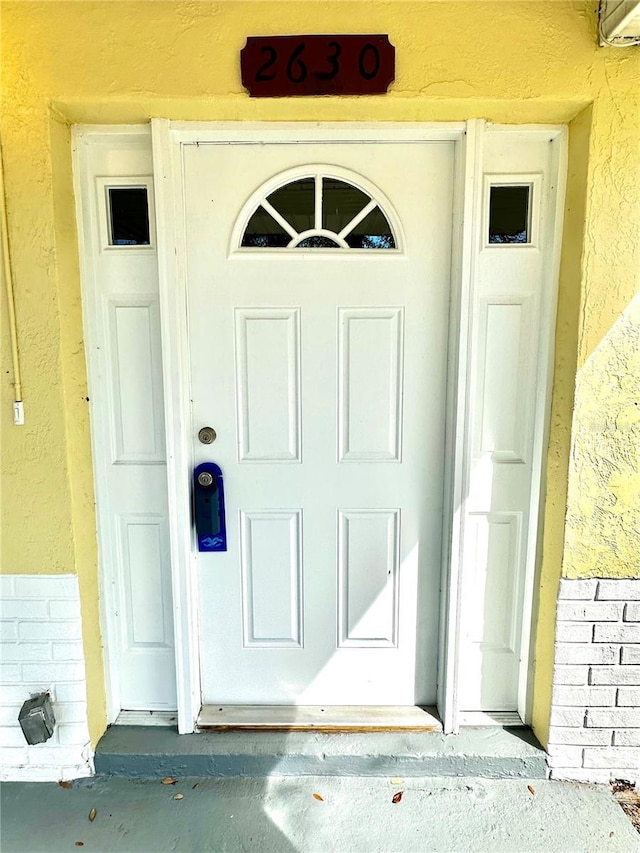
<point x="506" y="372"/>
<point x="492" y="615"/>
<point x="136" y="380"/>
<point x="368" y="577"/>
<point x="271" y="556"/>
<point x="370" y="390"/>
<point x="268" y="384"/>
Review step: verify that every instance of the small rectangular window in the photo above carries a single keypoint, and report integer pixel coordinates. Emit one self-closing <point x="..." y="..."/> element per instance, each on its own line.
<point x="509" y="214"/>
<point x="128" y="216"/>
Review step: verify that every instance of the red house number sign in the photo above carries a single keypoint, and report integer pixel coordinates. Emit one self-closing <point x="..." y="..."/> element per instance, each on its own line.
<point x="281" y="66"/>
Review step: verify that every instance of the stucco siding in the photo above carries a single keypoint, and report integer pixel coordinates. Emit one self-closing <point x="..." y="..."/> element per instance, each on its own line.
<point x="603" y="506"/>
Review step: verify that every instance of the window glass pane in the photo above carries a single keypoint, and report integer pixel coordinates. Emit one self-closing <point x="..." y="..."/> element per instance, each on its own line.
<point x="509" y="214"/>
<point x="128" y="216"/>
<point x="264" y="232"/>
<point x="340" y="203"/>
<point x="374" y="232"/>
<point x="318" y="241"/>
<point x="296" y="203"/>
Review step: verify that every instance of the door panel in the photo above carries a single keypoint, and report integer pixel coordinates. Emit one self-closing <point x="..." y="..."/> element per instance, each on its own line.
<point x="123" y="346"/>
<point x="511" y="319"/>
<point x="323" y="374"/>
<point x="268" y="384"/>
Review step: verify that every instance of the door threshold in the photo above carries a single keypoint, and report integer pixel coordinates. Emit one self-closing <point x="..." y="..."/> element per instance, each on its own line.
<point x="506" y="719"/>
<point x="146" y="718"/>
<point x="321" y="718"/>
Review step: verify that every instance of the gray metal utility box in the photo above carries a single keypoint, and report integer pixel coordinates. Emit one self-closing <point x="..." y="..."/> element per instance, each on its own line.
<point x="36" y="718"/>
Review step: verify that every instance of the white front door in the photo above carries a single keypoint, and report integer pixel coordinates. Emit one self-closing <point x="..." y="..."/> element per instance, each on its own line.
<point x="321" y="367"/>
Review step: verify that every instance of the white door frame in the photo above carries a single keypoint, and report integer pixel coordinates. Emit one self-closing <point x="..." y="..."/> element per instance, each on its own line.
<point x="167" y="139"/>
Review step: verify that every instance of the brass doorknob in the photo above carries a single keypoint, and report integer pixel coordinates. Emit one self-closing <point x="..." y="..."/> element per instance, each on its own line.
<point x="207" y="435"/>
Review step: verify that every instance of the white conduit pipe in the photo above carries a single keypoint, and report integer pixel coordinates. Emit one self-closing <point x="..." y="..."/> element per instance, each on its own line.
<point x="18" y="416"/>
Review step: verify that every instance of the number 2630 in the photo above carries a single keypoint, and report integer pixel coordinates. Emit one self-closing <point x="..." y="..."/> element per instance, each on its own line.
<point x="297" y="70"/>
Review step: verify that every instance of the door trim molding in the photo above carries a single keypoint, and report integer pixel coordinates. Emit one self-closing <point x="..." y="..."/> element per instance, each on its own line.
<point x="466" y="211"/>
<point x="167" y="140"/>
<point x="542" y="413"/>
<point x="90" y="322"/>
<point x="175" y="368"/>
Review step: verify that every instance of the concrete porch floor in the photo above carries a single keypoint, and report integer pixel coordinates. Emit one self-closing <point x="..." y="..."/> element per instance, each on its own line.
<point x="281" y="815"/>
<point x="491" y="752"/>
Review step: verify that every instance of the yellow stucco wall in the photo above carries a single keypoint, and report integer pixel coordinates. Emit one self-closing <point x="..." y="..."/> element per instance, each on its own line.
<point x="603" y="508"/>
<point x="506" y="62"/>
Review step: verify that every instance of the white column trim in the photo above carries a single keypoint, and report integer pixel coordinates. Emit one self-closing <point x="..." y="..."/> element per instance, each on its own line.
<point x="542" y="414"/>
<point x="467" y="205"/>
<point x="175" y="361"/>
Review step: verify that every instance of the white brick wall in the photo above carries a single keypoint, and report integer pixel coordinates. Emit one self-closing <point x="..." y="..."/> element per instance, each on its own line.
<point x="594" y="734"/>
<point x="41" y="650"/>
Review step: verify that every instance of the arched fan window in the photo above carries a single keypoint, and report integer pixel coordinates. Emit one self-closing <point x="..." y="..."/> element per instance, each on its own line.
<point x="318" y="212"/>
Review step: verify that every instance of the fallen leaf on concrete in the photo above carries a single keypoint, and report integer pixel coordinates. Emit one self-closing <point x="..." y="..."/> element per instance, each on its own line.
<point x="318" y="797"/>
<point x="92" y="815"/>
<point x="397" y="797"/>
<point x="178" y="796"/>
<point x="195" y="786"/>
<point x="396" y="781"/>
<point x="531" y="789"/>
<point x="64" y="784"/>
<point x="169" y="780"/>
